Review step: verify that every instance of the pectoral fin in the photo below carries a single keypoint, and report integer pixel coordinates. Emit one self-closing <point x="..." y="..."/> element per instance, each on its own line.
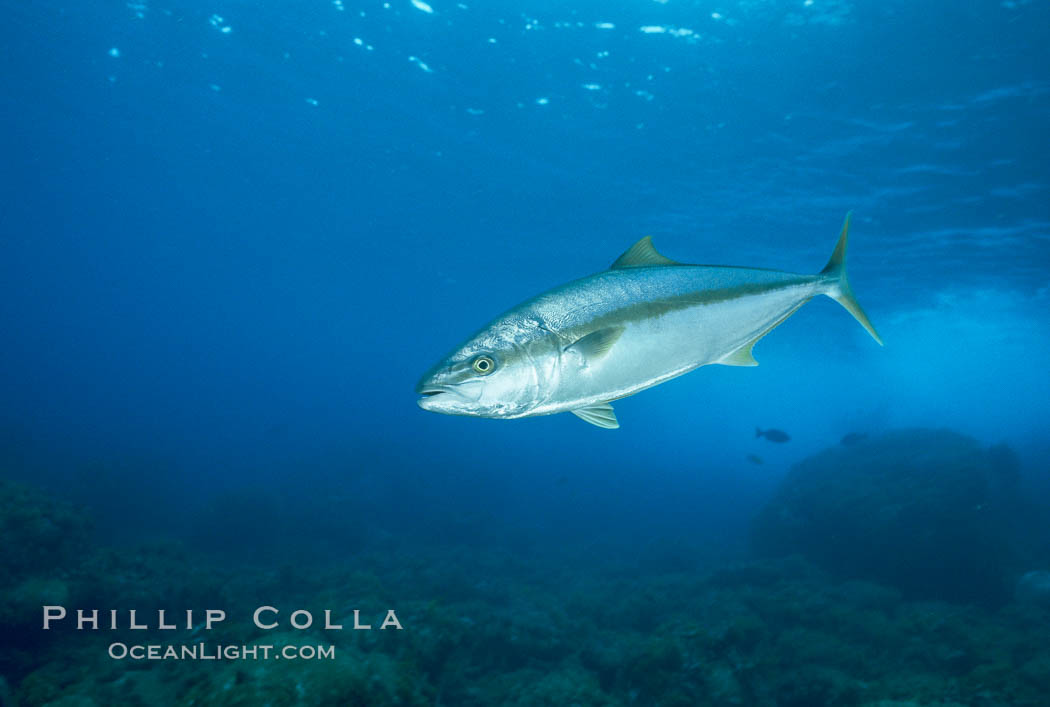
<point x="600" y="415"/>
<point x="597" y="343"/>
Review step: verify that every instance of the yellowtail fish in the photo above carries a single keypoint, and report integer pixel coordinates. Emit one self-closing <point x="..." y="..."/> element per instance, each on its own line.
<point x="645" y="320"/>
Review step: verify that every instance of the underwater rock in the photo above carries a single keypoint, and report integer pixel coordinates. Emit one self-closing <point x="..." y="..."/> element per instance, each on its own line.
<point x="354" y="678"/>
<point x="73" y="701"/>
<point x="1033" y="588"/>
<point x="926" y="511"/>
<point x="39" y="533"/>
<point x="21" y="606"/>
<point x="42" y="539"/>
<point x="567" y="686"/>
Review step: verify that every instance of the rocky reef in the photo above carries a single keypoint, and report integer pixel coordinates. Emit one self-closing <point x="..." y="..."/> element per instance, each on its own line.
<point x="767" y="633"/>
<point x="485" y="626"/>
<point x="42" y="538"/>
<point x="929" y="512"/>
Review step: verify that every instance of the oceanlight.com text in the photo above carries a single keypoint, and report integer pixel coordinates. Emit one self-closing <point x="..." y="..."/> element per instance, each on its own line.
<point x="206" y="651"/>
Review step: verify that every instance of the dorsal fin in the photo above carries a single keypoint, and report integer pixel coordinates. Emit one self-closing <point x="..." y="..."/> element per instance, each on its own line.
<point x="642" y="254"/>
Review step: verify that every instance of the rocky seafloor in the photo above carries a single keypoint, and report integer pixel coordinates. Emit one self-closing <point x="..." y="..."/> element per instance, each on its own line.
<point x="800" y="623"/>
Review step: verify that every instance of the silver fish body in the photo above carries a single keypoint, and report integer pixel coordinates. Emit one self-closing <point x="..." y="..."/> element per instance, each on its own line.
<point x="648" y="319"/>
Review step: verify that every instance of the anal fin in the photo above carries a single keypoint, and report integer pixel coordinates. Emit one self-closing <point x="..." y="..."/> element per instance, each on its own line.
<point x="741" y="357"/>
<point x="600" y="415"/>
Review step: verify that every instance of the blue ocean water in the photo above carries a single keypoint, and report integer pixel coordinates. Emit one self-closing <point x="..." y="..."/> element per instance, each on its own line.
<point x="235" y="234"/>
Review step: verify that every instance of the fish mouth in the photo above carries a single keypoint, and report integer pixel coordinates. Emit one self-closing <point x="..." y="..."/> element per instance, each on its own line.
<point x="449" y="398"/>
<point x="429" y="390"/>
<point x="432" y="395"/>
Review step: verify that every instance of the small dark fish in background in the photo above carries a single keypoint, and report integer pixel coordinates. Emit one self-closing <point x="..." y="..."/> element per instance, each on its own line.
<point x="773" y="435"/>
<point x="755" y="459"/>
<point x="852" y="438"/>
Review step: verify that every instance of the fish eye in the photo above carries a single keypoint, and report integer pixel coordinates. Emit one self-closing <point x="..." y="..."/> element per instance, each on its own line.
<point x="483" y="365"/>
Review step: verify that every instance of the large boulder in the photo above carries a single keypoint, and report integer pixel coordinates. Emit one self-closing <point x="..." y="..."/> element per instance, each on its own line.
<point x="1033" y="588"/>
<point x="40" y="534"/>
<point x="926" y="511"/>
<point x="41" y="541"/>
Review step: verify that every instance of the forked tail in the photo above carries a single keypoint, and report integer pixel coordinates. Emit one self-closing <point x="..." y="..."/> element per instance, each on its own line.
<point x="839" y="289"/>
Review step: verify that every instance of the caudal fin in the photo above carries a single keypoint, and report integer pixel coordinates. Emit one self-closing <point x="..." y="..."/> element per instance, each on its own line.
<point x="839" y="289"/>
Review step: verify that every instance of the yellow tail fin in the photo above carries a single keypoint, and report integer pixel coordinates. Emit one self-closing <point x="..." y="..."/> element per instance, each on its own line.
<point x="839" y="289"/>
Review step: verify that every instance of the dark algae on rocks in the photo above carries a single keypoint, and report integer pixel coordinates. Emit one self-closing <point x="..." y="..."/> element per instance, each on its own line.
<point x="930" y="512"/>
<point x="487" y="627"/>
